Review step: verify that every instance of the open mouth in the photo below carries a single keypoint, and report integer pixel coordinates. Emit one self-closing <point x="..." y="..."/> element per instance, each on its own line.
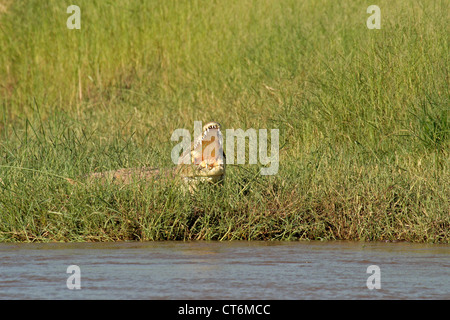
<point x="208" y="150"/>
<point x="206" y="158"/>
<point x="214" y="135"/>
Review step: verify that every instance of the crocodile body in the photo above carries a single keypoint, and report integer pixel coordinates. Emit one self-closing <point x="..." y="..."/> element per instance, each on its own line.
<point x="204" y="162"/>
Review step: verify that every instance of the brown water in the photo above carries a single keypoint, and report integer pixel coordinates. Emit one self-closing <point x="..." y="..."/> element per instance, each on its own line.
<point x="230" y="270"/>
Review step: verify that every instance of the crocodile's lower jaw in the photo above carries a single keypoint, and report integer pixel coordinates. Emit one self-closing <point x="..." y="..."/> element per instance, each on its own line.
<point x="216" y="170"/>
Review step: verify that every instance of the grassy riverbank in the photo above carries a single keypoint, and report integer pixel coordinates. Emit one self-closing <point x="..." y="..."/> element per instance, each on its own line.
<point x="363" y="118"/>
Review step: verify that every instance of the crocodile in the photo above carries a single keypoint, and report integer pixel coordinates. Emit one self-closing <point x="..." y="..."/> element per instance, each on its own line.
<point x="204" y="162"/>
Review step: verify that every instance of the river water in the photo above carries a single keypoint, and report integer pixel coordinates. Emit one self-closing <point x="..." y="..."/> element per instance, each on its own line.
<point x="224" y="270"/>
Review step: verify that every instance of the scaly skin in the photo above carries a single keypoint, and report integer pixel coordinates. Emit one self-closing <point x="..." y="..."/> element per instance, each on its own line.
<point x="206" y="163"/>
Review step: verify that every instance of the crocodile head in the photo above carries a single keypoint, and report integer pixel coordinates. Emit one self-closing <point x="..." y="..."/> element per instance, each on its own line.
<point x="207" y="159"/>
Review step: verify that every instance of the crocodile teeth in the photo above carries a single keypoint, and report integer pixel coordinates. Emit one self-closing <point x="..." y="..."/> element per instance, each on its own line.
<point x="205" y="133"/>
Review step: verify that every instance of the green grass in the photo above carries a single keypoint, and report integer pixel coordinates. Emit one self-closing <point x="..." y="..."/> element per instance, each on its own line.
<point x="363" y="118"/>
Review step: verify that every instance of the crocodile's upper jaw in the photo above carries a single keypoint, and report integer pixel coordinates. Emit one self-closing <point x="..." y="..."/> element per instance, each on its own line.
<point x="207" y="156"/>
